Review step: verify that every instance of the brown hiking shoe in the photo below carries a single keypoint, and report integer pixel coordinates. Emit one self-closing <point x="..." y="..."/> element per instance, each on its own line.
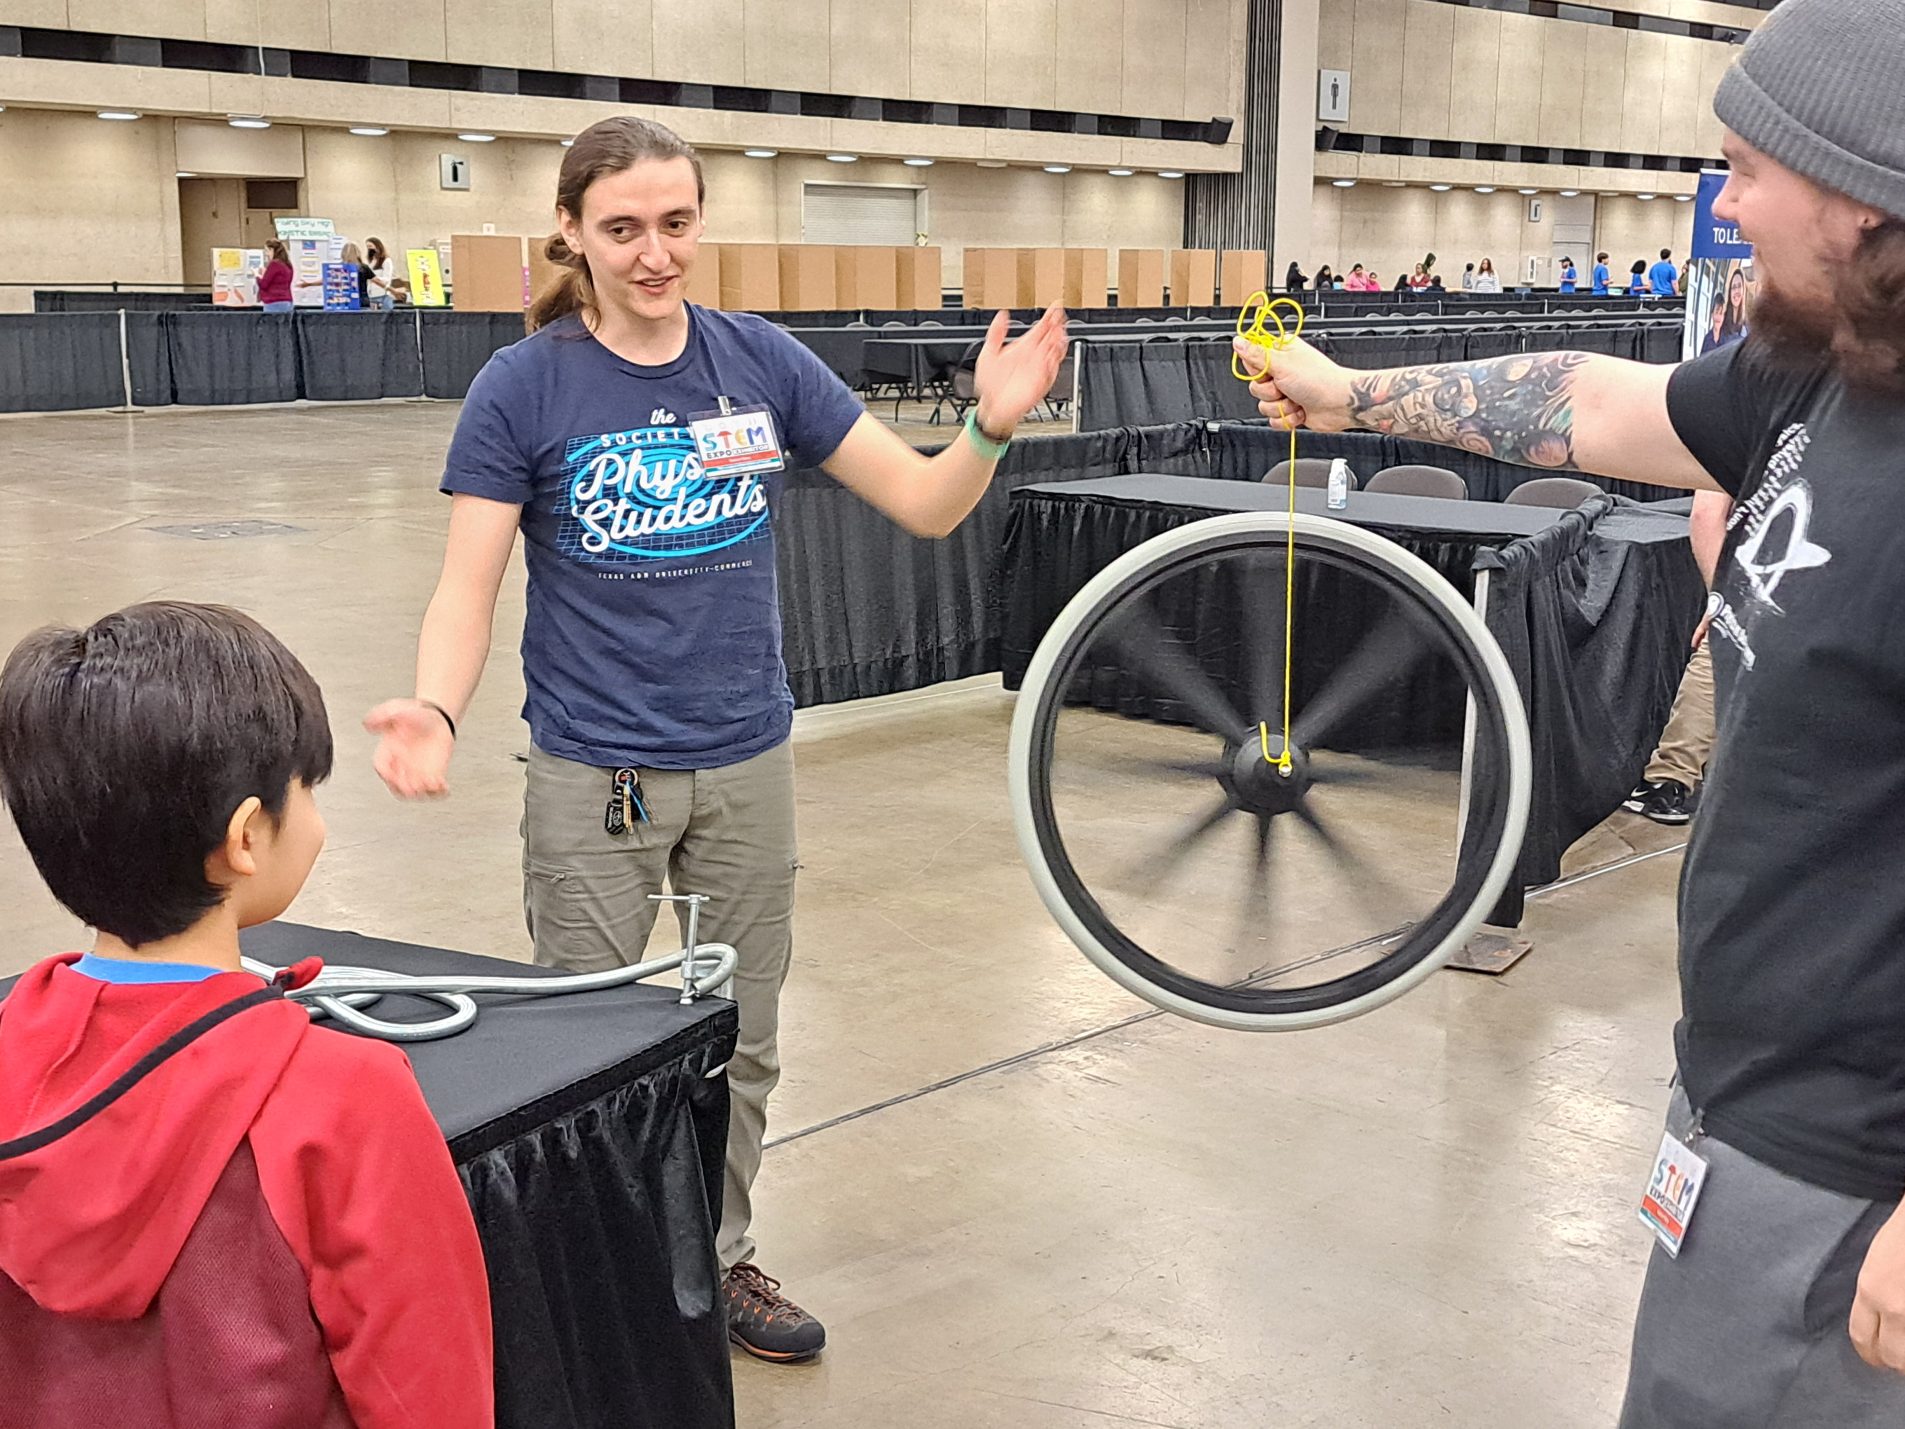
<point x="765" y="1322"/>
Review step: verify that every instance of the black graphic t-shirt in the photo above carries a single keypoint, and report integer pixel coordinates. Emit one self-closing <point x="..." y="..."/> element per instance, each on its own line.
<point x="1792" y="901"/>
<point x="652" y="635"/>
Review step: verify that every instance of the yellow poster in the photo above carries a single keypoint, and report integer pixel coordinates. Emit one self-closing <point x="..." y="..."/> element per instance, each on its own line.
<point x="426" y="277"/>
<point x="235" y="276"/>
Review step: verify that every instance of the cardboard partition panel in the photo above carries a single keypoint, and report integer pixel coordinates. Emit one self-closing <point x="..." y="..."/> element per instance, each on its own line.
<point x="1141" y="277"/>
<point x="750" y="277"/>
<point x="866" y="277"/>
<point x="1193" y="277"/>
<point x="921" y="277"/>
<point x="992" y="278"/>
<point x="1241" y="272"/>
<point x="704" y="279"/>
<point x="807" y="277"/>
<point x="1041" y="277"/>
<point x="487" y="270"/>
<point x="1087" y="271"/>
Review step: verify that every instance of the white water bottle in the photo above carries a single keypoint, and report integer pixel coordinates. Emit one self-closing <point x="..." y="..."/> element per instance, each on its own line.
<point x="1339" y="484"/>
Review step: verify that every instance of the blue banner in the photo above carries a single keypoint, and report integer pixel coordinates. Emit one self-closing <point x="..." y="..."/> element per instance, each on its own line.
<point x="341" y="292"/>
<point x="1713" y="237"/>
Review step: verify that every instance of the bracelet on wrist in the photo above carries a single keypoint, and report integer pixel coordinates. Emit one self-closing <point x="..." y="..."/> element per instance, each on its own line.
<point x="432" y="704"/>
<point x="983" y="442"/>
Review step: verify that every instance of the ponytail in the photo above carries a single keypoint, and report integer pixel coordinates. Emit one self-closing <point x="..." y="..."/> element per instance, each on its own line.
<point x="572" y="292"/>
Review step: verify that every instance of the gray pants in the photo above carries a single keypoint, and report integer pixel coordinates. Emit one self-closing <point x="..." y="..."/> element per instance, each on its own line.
<point x="728" y="833"/>
<point x="1747" y="1329"/>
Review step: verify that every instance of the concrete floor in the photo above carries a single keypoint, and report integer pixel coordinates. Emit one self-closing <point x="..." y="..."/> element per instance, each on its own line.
<point x="1016" y="1199"/>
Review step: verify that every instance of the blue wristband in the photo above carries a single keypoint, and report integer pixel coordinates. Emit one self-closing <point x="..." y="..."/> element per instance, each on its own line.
<point x="986" y="447"/>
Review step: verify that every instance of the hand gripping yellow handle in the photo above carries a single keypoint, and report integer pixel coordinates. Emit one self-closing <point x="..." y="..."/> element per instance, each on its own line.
<point x="1257" y="309"/>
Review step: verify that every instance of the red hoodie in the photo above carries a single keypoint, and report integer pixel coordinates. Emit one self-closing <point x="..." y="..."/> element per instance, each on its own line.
<point x="265" y="1229"/>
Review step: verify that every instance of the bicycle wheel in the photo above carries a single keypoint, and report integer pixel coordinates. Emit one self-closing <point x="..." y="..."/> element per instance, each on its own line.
<point x="1165" y="833"/>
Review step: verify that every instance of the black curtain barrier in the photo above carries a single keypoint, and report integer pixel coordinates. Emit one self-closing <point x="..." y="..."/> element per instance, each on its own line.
<point x="149" y="349"/>
<point x="220" y="358"/>
<point x="56" y="364"/>
<point x="359" y="357"/>
<point x="86" y="300"/>
<point x="1594" y="615"/>
<point x="456" y="345"/>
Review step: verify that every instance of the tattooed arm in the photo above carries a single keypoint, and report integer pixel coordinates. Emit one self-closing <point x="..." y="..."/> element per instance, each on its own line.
<point x="1562" y="411"/>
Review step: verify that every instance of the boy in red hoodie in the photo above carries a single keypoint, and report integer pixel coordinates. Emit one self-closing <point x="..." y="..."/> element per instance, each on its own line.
<point x="212" y="1213"/>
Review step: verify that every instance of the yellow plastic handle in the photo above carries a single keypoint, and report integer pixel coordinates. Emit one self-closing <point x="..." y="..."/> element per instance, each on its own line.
<point x="1257" y="309"/>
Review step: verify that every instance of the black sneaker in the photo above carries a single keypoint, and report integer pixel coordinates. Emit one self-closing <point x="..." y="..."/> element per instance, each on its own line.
<point x="1665" y="801"/>
<point x="765" y="1322"/>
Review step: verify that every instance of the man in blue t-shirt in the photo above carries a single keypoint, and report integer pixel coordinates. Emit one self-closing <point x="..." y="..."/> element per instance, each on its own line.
<point x="1602" y="275"/>
<point x="1663" y="276"/>
<point x="638" y="444"/>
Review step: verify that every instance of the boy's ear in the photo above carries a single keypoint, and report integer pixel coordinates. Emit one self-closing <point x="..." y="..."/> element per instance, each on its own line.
<point x="236" y="856"/>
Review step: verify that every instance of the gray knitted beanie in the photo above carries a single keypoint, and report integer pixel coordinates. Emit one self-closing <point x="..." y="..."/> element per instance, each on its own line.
<point x="1820" y="86"/>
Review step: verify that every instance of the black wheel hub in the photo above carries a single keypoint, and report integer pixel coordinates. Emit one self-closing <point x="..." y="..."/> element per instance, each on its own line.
<point x="1262" y="786"/>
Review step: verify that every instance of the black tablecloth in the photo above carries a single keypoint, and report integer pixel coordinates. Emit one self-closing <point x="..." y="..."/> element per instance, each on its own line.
<point x="589" y="1137"/>
<point x="1593" y="609"/>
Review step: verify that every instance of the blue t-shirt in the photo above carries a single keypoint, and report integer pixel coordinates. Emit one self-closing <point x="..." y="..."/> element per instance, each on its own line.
<point x="1662" y="275"/>
<point x="653" y="631"/>
<point x="1567" y="280"/>
<point x="1601" y="275"/>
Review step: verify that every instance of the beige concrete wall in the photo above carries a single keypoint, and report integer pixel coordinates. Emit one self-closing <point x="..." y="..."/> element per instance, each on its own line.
<point x="1390" y="230"/>
<point x="1425" y="69"/>
<point x="96" y="201"/>
<point x="1162" y="58"/>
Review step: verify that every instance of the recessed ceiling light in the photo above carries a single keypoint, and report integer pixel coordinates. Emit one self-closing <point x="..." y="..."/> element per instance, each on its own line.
<point x="1343" y="183"/>
<point x="568" y="143"/>
<point x="477" y="138"/>
<point x="185" y="174"/>
<point x="1646" y="198"/>
<point x="1170" y="174"/>
<point x="1683" y="198"/>
<point x="1121" y="173"/>
<point x="1394" y="184"/>
<point x="1570" y="193"/>
<point x="117" y="114"/>
<point x="247" y="121"/>
<point x="1058" y="168"/>
<point x="917" y="163"/>
<point x="1440" y="188"/>
<point x="1527" y="191"/>
<point x="990" y="163"/>
<point x="843" y="158"/>
<point x="762" y="153"/>
<point x="1484" y="188"/>
<point x="369" y="131"/>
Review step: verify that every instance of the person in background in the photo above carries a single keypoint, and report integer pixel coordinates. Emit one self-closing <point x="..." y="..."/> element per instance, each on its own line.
<point x="1419" y="279"/>
<point x="1358" y="280"/>
<point x="1295" y="280"/>
<point x="1325" y="279"/>
<point x="1602" y="275"/>
<point x="1485" y="279"/>
<point x="1664" y="277"/>
<point x="1435" y="284"/>
<point x="274" y="283"/>
<point x="1637" y="278"/>
<point x="1567" y="275"/>
<point x="1402" y="283"/>
<point x="1734" y="326"/>
<point x="1468" y="278"/>
<point x="400" y="291"/>
<point x="377" y="259"/>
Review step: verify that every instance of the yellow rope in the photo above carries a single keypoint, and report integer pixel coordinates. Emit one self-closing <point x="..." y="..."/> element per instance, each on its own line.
<point x="1258" y="307"/>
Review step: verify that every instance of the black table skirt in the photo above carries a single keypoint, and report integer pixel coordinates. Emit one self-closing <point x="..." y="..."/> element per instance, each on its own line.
<point x="589" y="1136"/>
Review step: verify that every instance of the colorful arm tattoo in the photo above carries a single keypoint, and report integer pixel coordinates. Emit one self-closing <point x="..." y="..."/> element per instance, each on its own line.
<point x="1518" y="408"/>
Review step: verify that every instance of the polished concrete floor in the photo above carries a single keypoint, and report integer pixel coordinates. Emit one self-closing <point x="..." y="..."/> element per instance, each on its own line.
<point x="1016" y="1197"/>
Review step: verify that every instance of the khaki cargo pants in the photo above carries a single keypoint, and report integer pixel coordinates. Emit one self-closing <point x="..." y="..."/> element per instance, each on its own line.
<point x="728" y="833"/>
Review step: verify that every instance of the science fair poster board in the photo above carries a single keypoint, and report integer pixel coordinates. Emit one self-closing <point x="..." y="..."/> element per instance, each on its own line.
<point x="426" y="277"/>
<point x="342" y="293"/>
<point x="235" y="276"/>
<point x="1719" y="281"/>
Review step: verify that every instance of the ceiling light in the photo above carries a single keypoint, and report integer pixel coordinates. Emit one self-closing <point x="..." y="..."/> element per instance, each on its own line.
<point x="369" y="131"/>
<point x="762" y="153"/>
<point x="1121" y="173"/>
<point x="1170" y="173"/>
<point x="843" y="158"/>
<point x="1058" y="168"/>
<point x="185" y="174"/>
<point x="1394" y="184"/>
<point x="1484" y="188"/>
<point x="1570" y="193"/>
<point x="1646" y="198"/>
<point x="990" y="163"/>
<point x="1440" y="188"/>
<point x="917" y="163"/>
<point x="1683" y="198"/>
<point x="477" y="138"/>
<point x="117" y="114"/>
<point x="247" y="121"/>
<point x="1527" y="191"/>
<point x="1343" y="183"/>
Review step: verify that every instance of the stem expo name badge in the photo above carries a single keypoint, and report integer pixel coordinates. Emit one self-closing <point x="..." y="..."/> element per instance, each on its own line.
<point x="1666" y="1207"/>
<point x="737" y="443"/>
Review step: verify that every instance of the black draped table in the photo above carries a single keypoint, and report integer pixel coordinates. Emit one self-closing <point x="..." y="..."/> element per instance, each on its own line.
<point x="1592" y="607"/>
<point x="589" y="1135"/>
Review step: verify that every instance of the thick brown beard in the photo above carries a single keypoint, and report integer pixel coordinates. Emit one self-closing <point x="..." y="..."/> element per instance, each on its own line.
<point x="1859" y="331"/>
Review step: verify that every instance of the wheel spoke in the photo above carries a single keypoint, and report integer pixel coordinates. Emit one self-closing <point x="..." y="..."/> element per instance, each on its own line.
<point x="1252" y="912"/>
<point x="1144" y="649"/>
<point x="1366" y="879"/>
<point x="1146" y="878"/>
<point x="1386" y="654"/>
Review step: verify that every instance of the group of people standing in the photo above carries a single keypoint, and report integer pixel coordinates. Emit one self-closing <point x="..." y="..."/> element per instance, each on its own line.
<point x="376" y="288"/>
<point x="1662" y="279"/>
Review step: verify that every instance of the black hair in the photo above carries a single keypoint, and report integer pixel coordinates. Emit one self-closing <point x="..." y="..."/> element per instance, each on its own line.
<point x="126" y="747"/>
<point x="1665" y="254"/>
<point x="1640" y="266"/>
<point x="1600" y="258"/>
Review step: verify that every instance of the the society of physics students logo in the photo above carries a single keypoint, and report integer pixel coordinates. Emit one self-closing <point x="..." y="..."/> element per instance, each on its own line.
<point x="646" y="494"/>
